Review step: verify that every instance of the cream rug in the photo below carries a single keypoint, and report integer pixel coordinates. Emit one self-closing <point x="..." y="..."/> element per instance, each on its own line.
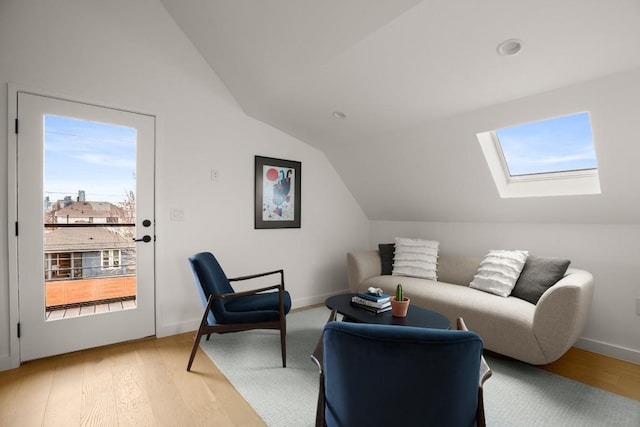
<point x="516" y="395"/>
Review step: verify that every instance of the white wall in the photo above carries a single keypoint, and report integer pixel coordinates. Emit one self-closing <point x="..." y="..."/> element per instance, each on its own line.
<point x="436" y="171"/>
<point x="609" y="252"/>
<point x="131" y="54"/>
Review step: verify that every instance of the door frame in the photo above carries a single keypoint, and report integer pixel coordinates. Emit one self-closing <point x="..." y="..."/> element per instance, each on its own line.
<point x="13" y="360"/>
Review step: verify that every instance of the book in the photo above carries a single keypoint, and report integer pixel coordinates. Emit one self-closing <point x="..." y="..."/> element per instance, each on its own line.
<point x="364" y="301"/>
<point x="374" y="297"/>
<point x="371" y="309"/>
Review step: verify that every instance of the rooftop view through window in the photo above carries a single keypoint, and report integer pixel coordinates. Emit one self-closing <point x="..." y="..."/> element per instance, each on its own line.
<point x="561" y="144"/>
<point x="89" y="211"/>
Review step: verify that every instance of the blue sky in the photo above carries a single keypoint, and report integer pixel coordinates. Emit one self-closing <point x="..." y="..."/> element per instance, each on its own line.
<point x="95" y="157"/>
<point x="554" y="145"/>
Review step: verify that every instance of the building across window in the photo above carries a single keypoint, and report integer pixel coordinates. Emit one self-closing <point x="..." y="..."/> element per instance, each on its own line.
<point x="111" y="258"/>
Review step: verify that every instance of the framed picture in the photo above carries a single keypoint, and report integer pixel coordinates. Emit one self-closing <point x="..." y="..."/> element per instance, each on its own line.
<point x="277" y="193"/>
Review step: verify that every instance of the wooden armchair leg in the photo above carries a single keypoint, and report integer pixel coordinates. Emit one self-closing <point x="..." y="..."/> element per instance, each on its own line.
<point x="283" y="342"/>
<point x="320" y="422"/>
<point x="480" y="420"/>
<point x="201" y="331"/>
<point x="196" y="343"/>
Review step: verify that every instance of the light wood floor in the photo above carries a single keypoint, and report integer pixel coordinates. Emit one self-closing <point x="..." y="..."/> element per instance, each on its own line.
<point x="616" y="376"/>
<point x="140" y="383"/>
<point x="144" y="383"/>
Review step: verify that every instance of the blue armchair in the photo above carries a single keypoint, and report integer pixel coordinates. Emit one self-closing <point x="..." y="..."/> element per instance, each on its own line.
<point x="381" y="375"/>
<point x="228" y="311"/>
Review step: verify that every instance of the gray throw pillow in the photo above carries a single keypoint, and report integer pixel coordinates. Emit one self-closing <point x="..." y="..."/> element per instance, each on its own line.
<point x="538" y="275"/>
<point x="386" y="257"/>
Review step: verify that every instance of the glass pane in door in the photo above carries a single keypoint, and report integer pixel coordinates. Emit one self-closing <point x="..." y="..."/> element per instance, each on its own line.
<point x="89" y="206"/>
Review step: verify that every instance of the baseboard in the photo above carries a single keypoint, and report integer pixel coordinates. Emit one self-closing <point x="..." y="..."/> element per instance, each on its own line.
<point x="611" y="350"/>
<point x="316" y="299"/>
<point x="5" y="363"/>
<point x="177" y="328"/>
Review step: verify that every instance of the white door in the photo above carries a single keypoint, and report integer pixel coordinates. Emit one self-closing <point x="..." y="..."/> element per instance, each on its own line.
<point x="85" y="190"/>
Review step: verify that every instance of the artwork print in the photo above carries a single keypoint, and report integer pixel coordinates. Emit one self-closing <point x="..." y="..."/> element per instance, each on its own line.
<point x="278" y="189"/>
<point x="277" y="193"/>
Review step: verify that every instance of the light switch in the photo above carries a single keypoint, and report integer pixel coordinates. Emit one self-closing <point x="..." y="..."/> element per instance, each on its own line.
<point x="177" y="214"/>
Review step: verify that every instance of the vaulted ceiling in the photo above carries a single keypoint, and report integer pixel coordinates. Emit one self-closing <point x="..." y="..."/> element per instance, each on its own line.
<point x="416" y="80"/>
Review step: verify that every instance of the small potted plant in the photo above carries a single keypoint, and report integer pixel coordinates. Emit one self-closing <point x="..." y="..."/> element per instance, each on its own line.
<point x="399" y="303"/>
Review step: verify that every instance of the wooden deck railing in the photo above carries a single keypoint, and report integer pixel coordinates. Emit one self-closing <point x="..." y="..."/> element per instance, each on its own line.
<point x="64" y="292"/>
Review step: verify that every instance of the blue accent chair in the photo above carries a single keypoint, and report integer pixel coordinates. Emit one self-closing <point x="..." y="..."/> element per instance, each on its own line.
<point x="383" y="375"/>
<point x="228" y="311"/>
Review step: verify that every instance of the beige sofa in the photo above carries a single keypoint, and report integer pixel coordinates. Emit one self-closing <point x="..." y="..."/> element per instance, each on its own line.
<point x="536" y="334"/>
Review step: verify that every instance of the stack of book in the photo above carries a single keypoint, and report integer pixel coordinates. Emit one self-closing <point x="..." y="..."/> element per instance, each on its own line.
<point x="372" y="302"/>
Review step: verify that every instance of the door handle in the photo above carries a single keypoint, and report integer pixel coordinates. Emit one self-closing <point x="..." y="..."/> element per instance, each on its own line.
<point x="146" y="238"/>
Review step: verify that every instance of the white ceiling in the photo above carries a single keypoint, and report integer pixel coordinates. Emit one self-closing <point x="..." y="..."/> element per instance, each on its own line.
<point x="395" y="66"/>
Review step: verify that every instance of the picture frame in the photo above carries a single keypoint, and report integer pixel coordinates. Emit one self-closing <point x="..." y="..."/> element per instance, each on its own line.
<point x="277" y="193"/>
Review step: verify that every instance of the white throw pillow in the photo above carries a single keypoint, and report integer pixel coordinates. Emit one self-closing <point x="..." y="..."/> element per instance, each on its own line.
<point x="499" y="271"/>
<point x="415" y="258"/>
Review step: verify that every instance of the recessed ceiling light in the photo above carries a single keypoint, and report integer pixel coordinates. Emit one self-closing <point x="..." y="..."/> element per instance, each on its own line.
<point x="509" y="47"/>
<point x="339" y="115"/>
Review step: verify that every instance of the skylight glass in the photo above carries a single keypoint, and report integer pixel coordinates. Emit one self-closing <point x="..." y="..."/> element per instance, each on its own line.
<point x="562" y="144"/>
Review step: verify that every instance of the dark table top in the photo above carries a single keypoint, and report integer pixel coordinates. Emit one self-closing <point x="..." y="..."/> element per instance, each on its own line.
<point x="416" y="316"/>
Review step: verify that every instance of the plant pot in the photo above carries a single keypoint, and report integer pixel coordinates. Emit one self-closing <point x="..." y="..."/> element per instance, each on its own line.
<point x="399" y="308"/>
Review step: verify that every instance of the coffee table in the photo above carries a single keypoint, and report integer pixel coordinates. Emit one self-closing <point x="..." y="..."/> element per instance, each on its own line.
<point x="416" y="316"/>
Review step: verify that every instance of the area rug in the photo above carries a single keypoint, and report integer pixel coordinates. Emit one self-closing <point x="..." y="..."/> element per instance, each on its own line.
<point x="516" y="395"/>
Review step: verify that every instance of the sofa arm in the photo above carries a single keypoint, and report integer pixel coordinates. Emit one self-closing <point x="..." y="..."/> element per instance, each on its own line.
<point x="561" y="313"/>
<point x="360" y="266"/>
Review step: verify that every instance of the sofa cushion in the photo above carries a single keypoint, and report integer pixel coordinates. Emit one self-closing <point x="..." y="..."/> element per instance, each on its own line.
<point x="415" y="258"/>
<point x="460" y="301"/>
<point x="457" y="269"/>
<point x="499" y="271"/>
<point x="538" y="275"/>
<point x="386" y="257"/>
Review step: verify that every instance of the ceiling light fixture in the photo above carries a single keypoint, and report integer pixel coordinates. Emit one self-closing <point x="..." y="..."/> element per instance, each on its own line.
<point x="339" y="115"/>
<point x="509" y="47"/>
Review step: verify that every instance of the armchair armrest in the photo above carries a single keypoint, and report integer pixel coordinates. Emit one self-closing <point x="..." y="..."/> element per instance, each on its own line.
<point x="253" y="276"/>
<point x="279" y="286"/>
<point x="316" y="356"/>
<point x="485" y="373"/>
<point x="485" y="370"/>
<point x="318" y="359"/>
<point x="232" y="295"/>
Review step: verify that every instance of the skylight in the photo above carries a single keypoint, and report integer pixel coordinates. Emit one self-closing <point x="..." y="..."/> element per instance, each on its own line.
<point x="561" y="144"/>
<point x="554" y="157"/>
